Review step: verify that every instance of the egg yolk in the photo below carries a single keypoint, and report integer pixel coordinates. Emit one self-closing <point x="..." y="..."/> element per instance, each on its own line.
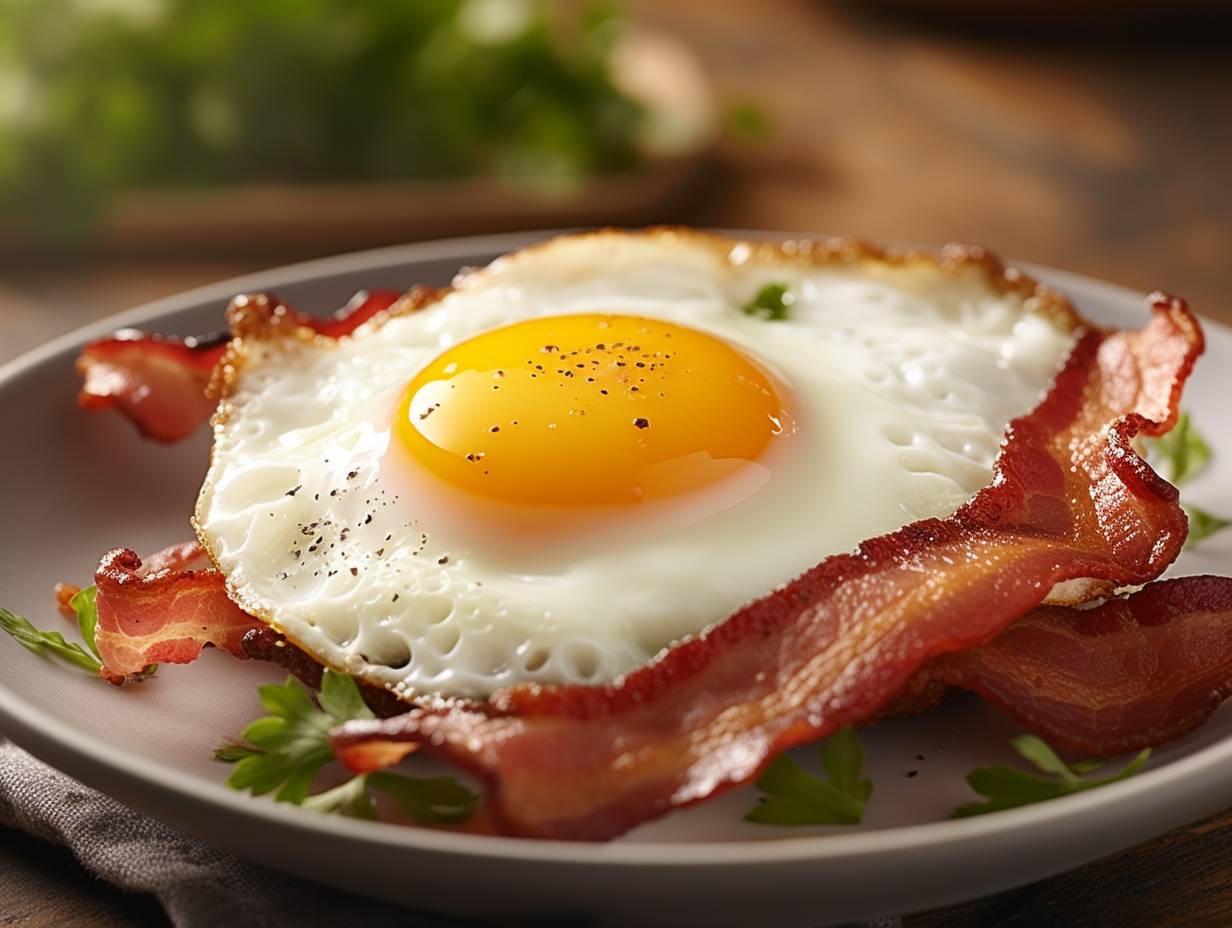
<point x="589" y="410"/>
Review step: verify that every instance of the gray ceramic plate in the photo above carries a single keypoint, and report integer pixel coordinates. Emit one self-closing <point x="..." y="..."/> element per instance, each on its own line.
<point x="73" y="485"/>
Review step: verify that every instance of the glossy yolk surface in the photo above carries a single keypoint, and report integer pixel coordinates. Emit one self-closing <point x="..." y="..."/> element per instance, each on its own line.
<point x="589" y="410"/>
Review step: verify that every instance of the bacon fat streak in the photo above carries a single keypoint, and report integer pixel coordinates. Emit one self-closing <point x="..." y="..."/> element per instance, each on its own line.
<point x="163" y="611"/>
<point x="1070" y="500"/>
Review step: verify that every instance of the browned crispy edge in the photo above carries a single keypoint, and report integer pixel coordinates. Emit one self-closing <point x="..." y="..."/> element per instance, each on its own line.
<point x="263" y="317"/>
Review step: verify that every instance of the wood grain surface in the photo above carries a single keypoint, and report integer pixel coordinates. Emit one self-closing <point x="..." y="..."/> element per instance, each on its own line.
<point x="1097" y="150"/>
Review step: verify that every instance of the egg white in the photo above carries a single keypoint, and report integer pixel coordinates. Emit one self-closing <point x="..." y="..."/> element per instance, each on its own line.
<point x="903" y="376"/>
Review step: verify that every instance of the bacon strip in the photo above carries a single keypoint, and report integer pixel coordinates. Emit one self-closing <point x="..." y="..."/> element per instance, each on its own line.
<point x="1070" y="499"/>
<point x="159" y="382"/>
<point x="164" y="611"/>
<point x="1128" y="674"/>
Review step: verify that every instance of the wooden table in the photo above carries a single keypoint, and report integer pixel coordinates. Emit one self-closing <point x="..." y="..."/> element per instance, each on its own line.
<point x="1105" y="155"/>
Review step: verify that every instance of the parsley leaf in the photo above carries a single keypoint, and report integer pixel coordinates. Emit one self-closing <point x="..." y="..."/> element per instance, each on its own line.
<point x="771" y="302"/>
<point x="83" y="603"/>
<point x="295" y="742"/>
<point x="87" y="615"/>
<point x="1184" y="454"/>
<point x="1009" y="788"/>
<point x="230" y="753"/>
<point x="1183" y="451"/>
<point x="340" y="698"/>
<point x="53" y="643"/>
<point x="286" y="750"/>
<point x="427" y="799"/>
<point x="350" y="798"/>
<point x="796" y="797"/>
<point x="1202" y="525"/>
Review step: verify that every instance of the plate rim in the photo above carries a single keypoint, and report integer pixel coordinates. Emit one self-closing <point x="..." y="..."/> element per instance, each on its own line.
<point x="31" y="728"/>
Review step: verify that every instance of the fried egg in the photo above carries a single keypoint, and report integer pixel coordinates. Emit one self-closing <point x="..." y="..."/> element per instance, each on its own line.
<point x="595" y="447"/>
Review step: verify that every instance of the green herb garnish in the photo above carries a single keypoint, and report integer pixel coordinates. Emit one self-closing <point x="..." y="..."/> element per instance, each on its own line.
<point x="1183" y="452"/>
<point x="796" y="797"/>
<point x="49" y="643"/>
<point x="83" y="605"/>
<point x="427" y="799"/>
<point x="771" y="302"/>
<point x="287" y="749"/>
<point x="1009" y="787"/>
<point x="55" y="644"/>
<point x="230" y="753"/>
<point x="1202" y="525"/>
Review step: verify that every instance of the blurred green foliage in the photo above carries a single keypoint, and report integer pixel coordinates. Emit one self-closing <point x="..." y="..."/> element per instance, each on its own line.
<point x="99" y="96"/>
<point x="746" y="120"/>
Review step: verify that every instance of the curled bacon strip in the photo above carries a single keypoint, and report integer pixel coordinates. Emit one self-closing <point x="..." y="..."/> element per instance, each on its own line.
<point x="159" y="382"/>
<point x="164" y="611"/>
<point x="1070" y="500"/>
<point x="1128" y="674"/>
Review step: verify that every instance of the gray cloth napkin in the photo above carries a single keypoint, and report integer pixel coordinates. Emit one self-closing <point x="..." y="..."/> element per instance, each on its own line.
<point x="198" y="886"/>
